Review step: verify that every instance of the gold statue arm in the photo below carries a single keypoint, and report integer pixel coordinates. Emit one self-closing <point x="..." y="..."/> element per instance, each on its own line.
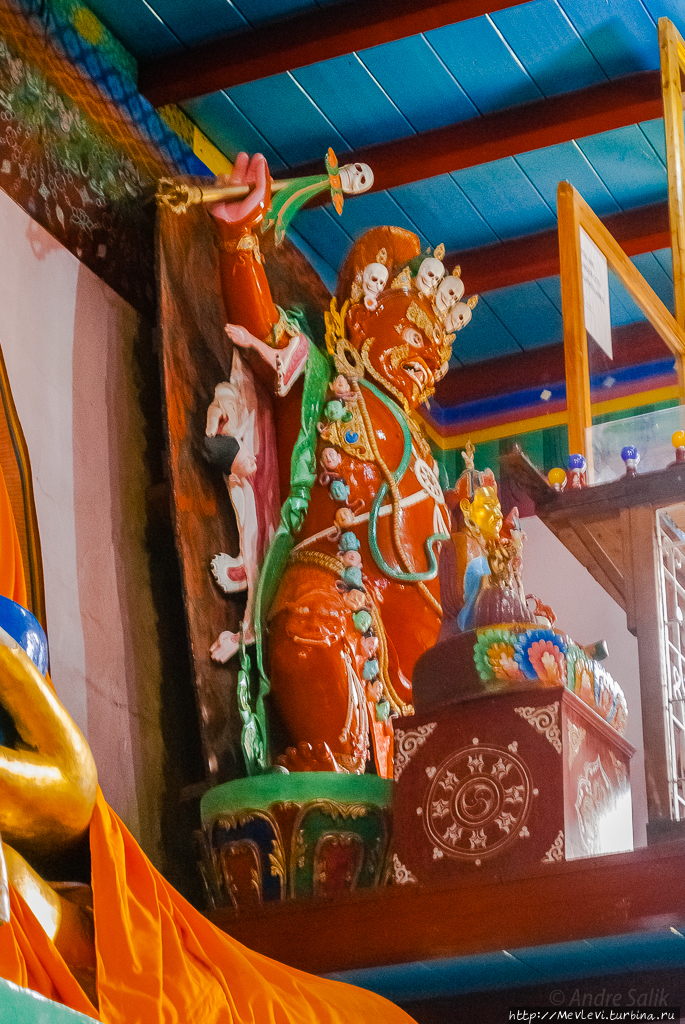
<point x="63" y="919"/>
<point x="43" y="901"/>
<point x="48" y="787"/>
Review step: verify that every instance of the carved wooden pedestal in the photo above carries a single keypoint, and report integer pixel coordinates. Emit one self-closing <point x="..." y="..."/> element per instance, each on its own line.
<point x="502" y="783"/>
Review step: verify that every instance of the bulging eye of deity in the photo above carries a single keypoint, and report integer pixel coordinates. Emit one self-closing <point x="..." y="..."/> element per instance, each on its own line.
<point x="431" y="273"/>
<point x="457" y="317"/>
<point x="449" y="293"/>
<point x="413" y="337"/>
<point x="355" y="178"/>
<point x="373" y="282"/>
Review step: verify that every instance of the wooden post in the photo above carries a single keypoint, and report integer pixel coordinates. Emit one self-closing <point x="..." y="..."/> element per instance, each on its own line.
<point x="640" y="554"/>
<point x="574" y="214"/>
<point x="672" y="51"/>
<point x="578" y="401"/>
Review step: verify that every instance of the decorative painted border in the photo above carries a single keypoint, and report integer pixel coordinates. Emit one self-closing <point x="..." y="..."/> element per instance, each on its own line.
<point x="407" y="742"/>
<point x="80" y="149"/>
<point x="544" y="720"/>
<point x="481" y="431"/>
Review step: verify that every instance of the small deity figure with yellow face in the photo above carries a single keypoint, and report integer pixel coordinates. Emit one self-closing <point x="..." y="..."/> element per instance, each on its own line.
<point x="484" y="516"/>
<point x="500" y="596"/>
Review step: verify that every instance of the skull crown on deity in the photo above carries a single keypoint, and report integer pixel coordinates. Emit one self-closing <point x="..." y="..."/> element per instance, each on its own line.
<point x="397" y="291"/>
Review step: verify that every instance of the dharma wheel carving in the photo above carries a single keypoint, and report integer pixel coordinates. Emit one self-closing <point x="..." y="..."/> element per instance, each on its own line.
<point x="478" y="802"/>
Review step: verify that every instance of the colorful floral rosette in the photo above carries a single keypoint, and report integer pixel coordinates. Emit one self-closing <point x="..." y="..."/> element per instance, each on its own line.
<point x="494" y="656"/>
<point x="541" y="654"/>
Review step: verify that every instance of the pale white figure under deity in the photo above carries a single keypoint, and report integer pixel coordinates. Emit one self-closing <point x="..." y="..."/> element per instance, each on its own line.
<point x="240" y="440"/>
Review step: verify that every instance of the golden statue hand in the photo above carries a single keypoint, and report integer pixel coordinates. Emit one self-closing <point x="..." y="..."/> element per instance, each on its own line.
<point x="47" y="785"/>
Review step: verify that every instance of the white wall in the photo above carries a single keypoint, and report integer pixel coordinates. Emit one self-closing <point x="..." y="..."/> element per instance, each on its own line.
<point x="586" y="612"/>
<point x="67" y="340"/>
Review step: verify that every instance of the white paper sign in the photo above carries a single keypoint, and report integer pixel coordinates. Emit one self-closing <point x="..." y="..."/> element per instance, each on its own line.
<point x="596" y="293"/>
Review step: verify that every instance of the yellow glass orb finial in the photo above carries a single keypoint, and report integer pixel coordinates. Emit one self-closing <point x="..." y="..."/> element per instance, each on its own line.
<point x="556" y="477"/>
<point x="678" y="439"/>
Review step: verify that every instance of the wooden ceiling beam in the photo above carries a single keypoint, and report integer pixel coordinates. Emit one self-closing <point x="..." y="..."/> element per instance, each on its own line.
<point x="541" y="367"/>
<point x="488" y="267"/>
<point x="504" y="133"/>
<point x="306" y="38"/>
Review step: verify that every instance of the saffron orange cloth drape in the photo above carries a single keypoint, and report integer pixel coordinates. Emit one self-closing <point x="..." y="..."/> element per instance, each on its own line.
<point x="159" y="961"/>
<point x="12" y="579"/>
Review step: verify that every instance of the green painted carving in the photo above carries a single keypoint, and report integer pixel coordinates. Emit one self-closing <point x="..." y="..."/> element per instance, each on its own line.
<point x="387" y="570"/>
<point x="255" y="736"/>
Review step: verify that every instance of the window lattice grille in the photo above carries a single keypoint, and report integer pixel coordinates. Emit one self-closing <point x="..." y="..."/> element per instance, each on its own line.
<point x="671" y="542"/>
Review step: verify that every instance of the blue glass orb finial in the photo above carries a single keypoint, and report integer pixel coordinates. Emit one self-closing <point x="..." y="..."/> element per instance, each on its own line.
<point x="630" y="454"/>
<point x="25" y="629"/>
<point x="578" y="462"/>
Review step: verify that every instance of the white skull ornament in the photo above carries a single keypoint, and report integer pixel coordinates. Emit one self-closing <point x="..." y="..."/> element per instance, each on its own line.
<point x="449" y="292"/>
<point x="457" y="317"/>
<point x="431" y="273"/>
<point x="355" y="178"/>
<point x="373" y="282"/>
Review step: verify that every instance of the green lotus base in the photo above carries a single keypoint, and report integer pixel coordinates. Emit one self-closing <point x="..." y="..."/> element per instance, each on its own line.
<point x="308" y="834"/>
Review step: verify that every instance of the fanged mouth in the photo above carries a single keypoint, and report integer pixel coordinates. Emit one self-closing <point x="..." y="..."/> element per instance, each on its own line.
<point x="418" y="373"/>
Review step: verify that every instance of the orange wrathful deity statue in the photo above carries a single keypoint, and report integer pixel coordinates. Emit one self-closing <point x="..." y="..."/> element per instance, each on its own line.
<point x="348" y="595"/>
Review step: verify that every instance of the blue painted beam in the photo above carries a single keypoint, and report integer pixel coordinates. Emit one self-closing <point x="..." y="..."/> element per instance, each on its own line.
<point x="518" y="968"/>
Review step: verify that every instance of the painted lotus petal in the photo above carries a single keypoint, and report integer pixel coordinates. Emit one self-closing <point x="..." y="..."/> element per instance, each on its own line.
<point x="501" y="658"/>
<point x="585" y="679"/>
<point x="488" y="639"/>
<point x="620" y="719"/>
<point x="548" y="661"/>
<point x="529" y="642"/>
<point x="607" y="698"/>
